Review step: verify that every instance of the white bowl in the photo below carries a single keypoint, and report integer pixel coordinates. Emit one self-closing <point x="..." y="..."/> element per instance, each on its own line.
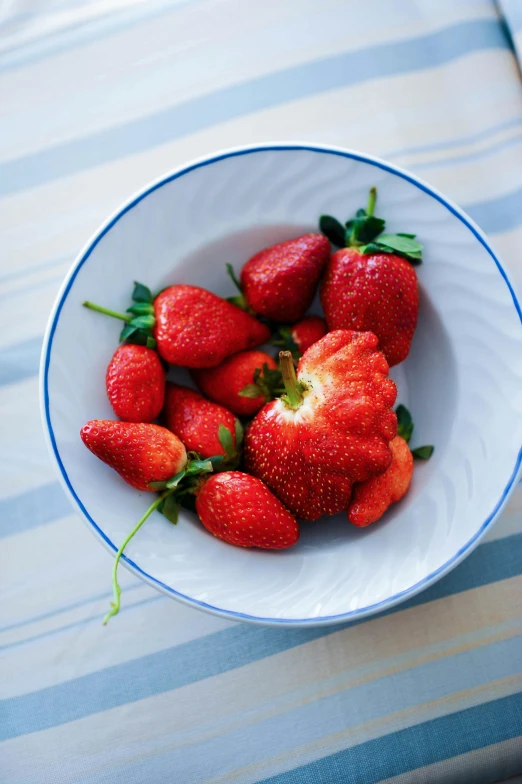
<point x="462" y="382"/>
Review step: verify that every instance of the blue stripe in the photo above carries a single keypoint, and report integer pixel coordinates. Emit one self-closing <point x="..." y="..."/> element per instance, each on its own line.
<point x="469" y="156"/>
<point x="221" y="652"/>
<point x="455" y="141"/>
<point x="298" y="82"/>
<point x="415" y="747"/>
<point x="497" y="215"/>
<point x="34" y="507"/>
<point x="75" y="624"/>
<point x="20" y="361"/>
<point x="68" y="607"/>
<point x="225" y="749"/>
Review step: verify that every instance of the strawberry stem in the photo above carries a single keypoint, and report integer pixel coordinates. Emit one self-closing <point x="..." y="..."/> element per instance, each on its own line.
<point x="107" y="312"/>
<point x="294" y="390"/>
<point x="115" y="606"/>
<point x="372" y="198"/>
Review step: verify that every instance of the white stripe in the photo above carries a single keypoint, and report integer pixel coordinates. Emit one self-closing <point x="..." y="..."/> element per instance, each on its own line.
<point x="174" y="50"/>
<point x="31" y="231"/>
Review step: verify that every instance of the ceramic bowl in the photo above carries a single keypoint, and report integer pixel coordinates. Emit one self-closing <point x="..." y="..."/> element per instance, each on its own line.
<point x="462" y="382"/>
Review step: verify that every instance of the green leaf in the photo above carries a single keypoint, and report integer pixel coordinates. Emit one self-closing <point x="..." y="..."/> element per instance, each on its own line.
<point x="141" y="293"/>
<point x="150" y="342"/>
<point x="170" y="508"/>
<point x="367" y="229"/>
<point x="141" y="309"/>
<point x="332" y="229"/>
<point x="143" y="322"/>
<point x="251" y="390"/>
<point x="402" y="234"/>
<point x="226" y="441"/>
<point x="361" y="213"/>
<point x="423" y="452"/>
<point x="404" y="423"/>
<point x="174" y="482"/>
<point x="198" y="467"/>
<point x="238" y="427"/>
<point x="158" y="485"/>
<point x="127" y="332"/>
<point x="217" y="462"/>
<point x="400" y="243"/>
<point x="233" y="278"/>
<point x="239" y="301"/>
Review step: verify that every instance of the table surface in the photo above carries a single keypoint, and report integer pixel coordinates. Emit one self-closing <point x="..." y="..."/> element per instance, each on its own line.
<point x="97" y="97"/>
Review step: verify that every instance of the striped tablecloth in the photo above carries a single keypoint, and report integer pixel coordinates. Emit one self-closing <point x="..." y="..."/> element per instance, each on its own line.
<point x="96" y="98"/>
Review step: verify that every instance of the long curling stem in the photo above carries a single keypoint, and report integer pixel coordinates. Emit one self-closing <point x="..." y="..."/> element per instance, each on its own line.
<point x="107" y="312"/>
<point x="115" y="605"/>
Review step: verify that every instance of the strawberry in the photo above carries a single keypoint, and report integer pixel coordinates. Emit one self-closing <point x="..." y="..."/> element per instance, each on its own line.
<point x="372" y="498"/>
<point x="330" y="429"/>
<point x="241" y="510"/>
<point x="141" y="453"/>
<point x="307" y="332"/>
<point x="189" y="325"/>
<point x="204" y="427"/>
<point x="243" y="383"/>
<point x="279" y="282"/>
<point x="135" y="382"/>
<point x="371" y="285"/>
<point x="148" y="457"/>
<point x="301" y="336"/>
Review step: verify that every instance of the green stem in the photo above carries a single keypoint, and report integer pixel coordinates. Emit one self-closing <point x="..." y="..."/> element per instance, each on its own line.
<point x="107" y="312"/>
<point x="294" y="396"/>
<point x="115" y="606"/>
<point x="372" y="198"/>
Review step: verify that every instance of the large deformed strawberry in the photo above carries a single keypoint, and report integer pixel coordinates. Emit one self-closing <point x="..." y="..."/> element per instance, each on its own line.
<point x="331" y="429"/>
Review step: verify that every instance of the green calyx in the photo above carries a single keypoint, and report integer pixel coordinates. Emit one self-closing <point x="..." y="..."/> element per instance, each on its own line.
<point x="232" y="457"/>
<point x="238" y="299"/>
<point x="266" y="382"/>
<point x="139" y="318"/>
<point x="294" y="389"/>
<point x="405" y="430"/>
<point x="285" y="339"/>
<point x="365" y="232"/>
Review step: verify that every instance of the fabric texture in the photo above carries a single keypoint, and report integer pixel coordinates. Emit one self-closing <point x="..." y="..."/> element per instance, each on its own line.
<point x="98" y="97"/>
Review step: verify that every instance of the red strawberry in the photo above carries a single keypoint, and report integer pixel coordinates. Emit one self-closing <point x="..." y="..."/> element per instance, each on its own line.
<point x="191" y="326"/>
<point x="140" y="453"/>
<point x="241" y="510"/>
<point x="307" y="332"/>
<point x="201" y="425"/>
<point x="243" y="383"/>
<point x="279" y="283"/>
<point x="331" y="429"/>
<point x="369" y="286"/>
<point x="372" y="498"/>
<point x="148" y="457"/>
<point x="135" y="383"/>
<point x="378" y="293"/>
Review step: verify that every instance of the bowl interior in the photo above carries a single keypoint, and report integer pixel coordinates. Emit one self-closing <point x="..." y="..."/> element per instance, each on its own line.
<point x="462" y="382"/>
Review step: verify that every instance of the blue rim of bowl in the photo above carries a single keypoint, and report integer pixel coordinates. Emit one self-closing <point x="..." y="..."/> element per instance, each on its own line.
<point x="385" y="604"/>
